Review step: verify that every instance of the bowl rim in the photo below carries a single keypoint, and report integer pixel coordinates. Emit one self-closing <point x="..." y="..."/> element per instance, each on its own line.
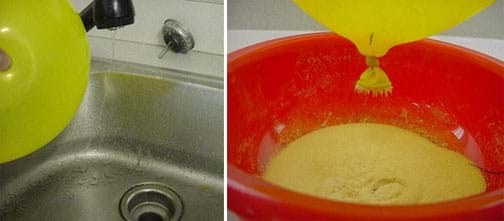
<point x="494" y="64"/>
<point x="252" y="186"/>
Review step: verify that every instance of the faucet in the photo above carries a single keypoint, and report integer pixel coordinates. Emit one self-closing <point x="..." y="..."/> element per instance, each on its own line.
<point x="108" y="14"/>
<point x="177" y="38"/>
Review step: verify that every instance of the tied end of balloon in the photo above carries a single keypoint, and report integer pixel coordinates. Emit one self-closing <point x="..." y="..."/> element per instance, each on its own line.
<point x="374" y="80"/>
<point x="375" y="92"/>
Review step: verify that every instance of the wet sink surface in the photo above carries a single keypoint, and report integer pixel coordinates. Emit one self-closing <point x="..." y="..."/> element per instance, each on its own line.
<point x="130" y="129"/>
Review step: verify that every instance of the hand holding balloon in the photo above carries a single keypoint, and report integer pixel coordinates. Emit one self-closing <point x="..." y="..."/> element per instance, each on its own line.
<point x="44" y="70"/>
<point x="5" y="61"/>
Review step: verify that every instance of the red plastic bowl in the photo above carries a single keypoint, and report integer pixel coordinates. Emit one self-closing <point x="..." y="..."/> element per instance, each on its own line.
<point x="282" y="89"/>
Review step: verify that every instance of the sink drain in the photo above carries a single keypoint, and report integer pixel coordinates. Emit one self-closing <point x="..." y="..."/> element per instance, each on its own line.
<point x="151" y="202"/>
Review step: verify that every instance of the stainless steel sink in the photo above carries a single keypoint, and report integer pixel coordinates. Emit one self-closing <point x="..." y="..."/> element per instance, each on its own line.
<point x="157" y="126"/>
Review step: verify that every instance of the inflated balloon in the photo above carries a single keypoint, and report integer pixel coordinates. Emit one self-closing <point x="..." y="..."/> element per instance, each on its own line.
<point x="375" y="26"/>
<point x="42" y="89"/>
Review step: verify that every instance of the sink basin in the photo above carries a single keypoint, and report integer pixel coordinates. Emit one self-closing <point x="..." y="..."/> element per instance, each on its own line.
<point x="155" y="126"/>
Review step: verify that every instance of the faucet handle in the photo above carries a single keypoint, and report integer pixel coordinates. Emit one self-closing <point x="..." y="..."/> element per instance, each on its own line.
<point x="164" y="51"/>
<point x="177" y="38"/>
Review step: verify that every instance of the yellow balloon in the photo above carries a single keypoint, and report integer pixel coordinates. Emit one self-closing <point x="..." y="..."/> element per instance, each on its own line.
<point x="375" y="26"/>
<point x="42" y="90"/>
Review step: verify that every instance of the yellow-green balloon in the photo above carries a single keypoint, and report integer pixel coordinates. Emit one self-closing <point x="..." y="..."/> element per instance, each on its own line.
<point x="375" y="26"/>
<point x="45" y="84"/>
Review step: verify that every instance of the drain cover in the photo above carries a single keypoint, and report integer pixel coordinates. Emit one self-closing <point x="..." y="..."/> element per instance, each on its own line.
<point x="151" y="202"/>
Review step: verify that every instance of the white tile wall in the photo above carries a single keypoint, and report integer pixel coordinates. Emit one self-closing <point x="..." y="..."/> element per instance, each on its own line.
<point x="142" y="41"/>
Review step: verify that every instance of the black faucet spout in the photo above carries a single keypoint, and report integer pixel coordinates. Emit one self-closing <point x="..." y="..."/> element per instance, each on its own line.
<point x="108" y="14"/>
